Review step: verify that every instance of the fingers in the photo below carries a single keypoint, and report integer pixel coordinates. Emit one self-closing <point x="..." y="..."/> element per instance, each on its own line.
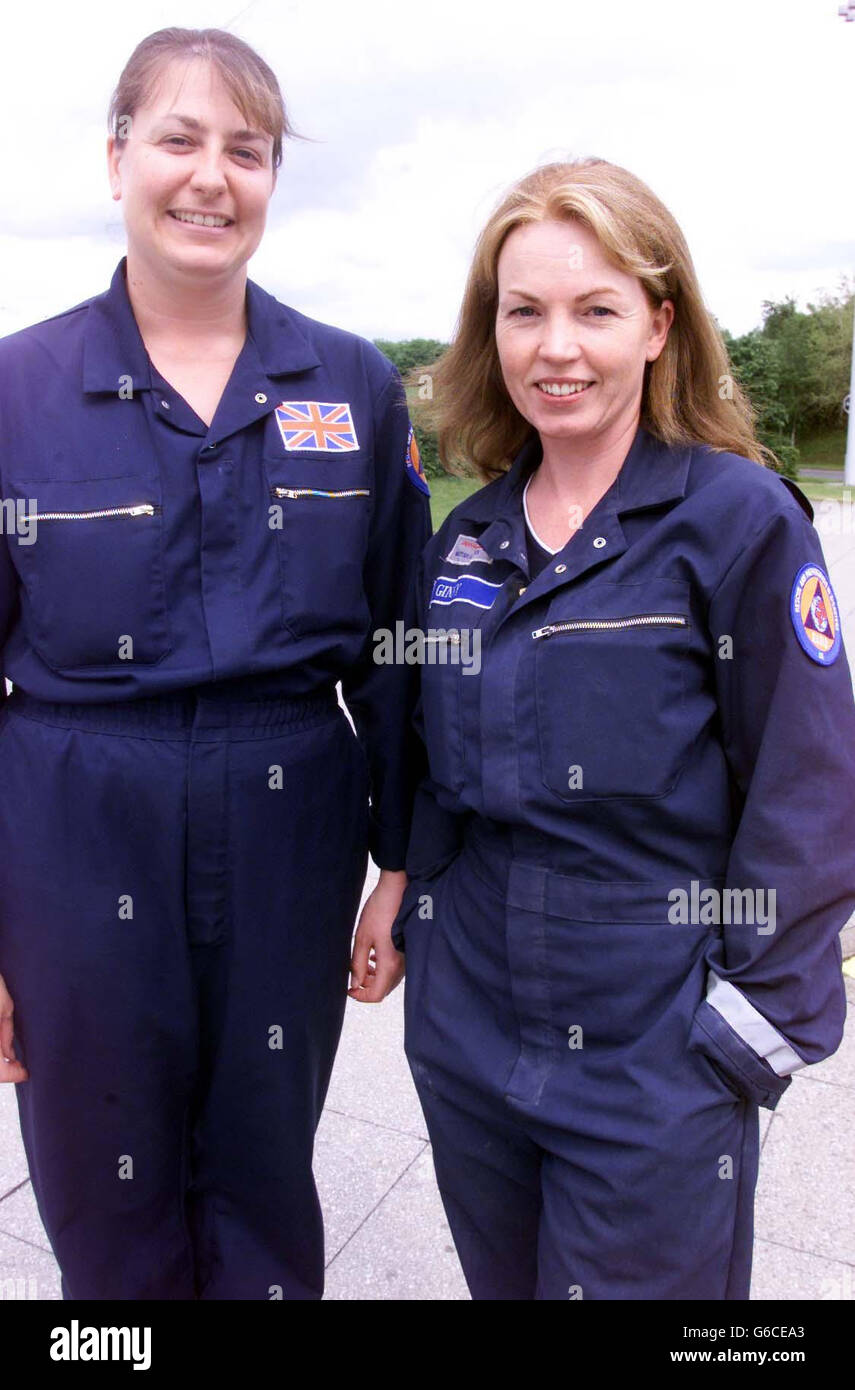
<point x="13" y="1070"/>
<point x="10" y="1068"/>
<point x="384" y="972"/>
<point x="359" y="961"/>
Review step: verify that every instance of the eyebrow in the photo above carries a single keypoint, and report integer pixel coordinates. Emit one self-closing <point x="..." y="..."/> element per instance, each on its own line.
<point x="589" y="294"/>
<point x="192" y="124"/>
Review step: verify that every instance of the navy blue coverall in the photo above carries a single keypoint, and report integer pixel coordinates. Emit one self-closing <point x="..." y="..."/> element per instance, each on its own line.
<point x="629" y="868"/>
<point x="184" y="807"/>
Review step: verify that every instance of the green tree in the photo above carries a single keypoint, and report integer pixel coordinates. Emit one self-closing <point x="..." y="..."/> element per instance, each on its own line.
<point x="410" y="355"/>
<point x="756" y="365"/>
<point x="813" y="351"/>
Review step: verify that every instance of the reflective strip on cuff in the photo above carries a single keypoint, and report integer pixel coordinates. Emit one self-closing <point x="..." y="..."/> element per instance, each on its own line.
<point x="752" y="1027"/>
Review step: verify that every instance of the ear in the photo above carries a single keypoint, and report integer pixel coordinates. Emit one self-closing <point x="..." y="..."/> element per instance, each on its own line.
<point x="660" y="323"/>
<point x="114" y="153"/>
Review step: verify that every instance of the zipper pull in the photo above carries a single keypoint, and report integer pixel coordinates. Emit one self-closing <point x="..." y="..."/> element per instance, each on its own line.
<point x="143" y="509"/>
<point x="543" y="631"/>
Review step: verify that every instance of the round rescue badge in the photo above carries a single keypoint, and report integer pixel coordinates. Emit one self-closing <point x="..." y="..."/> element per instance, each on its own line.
<point x="415" y="472"/>
<point x="813" y="609"/>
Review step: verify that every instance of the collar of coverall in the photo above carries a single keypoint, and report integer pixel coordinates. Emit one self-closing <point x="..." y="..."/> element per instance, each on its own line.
<point x="113" y="348"/>
<point x="652" y="474"/>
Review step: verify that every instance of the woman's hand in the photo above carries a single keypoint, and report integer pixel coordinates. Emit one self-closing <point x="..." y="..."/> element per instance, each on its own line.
<point x="10" y="1068"/>
<point x="377" y="966"/>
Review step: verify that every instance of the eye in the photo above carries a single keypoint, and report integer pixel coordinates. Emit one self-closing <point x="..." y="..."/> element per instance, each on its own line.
<point x="176" y="140"/>
<point x="598" y="309"/>
<point x="252" y="154"/>
<point x="524" y="310"/>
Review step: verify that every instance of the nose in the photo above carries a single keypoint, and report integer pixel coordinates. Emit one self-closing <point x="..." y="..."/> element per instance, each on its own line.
<point x="207" y="174"/>
<point x="559" y="338"/>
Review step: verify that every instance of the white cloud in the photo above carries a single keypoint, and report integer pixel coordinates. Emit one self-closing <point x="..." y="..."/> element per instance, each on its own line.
<point x="735" y="114"/>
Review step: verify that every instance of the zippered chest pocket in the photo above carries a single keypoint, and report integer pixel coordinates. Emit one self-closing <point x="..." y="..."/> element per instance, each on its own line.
<point x="610" y="689"/>
<point x="90" y="557"/>
<point x="319" y="513"/>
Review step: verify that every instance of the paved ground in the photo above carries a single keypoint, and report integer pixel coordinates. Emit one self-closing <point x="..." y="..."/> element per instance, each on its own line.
<point x="386" y="1231"/>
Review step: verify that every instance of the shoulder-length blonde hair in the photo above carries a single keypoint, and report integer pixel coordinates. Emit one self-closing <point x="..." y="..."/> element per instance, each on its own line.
<point x="690" y="394"/>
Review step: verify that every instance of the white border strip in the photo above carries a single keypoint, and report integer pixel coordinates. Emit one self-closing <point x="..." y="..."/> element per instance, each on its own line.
<point x="752" y="1027"/>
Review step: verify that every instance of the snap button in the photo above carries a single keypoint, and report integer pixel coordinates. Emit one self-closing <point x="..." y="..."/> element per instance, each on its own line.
<point x="503" y="545"/>
<point x="165" y="404"/>
<point x="523" y="588"/>
<point x="559" y="569"/>
<point x="260" y="397"/>
<point x="599" y="542"/>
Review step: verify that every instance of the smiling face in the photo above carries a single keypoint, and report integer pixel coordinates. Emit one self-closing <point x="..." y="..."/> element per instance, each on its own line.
<point x="194" y="182"/>
<point x="573" y="333"/>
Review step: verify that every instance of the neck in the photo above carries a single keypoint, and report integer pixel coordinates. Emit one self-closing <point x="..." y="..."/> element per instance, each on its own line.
<point x="169" y="306"/>
<point x="583" y="470"/>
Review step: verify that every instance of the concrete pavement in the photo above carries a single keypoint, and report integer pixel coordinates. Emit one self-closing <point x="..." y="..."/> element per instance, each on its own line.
<point x="386" y="1231"/>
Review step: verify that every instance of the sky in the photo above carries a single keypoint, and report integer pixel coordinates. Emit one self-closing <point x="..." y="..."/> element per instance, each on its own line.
<point x="734" y="112"/>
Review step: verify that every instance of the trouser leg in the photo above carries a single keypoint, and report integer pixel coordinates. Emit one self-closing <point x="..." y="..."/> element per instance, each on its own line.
<point x="93" y="951"/>
<point x="461" y="1039"/>
<point x="488" y="1175"/>
<point x="650" y="1158"/>
<point x="272" y="974"/>
<point x="635" y="1218"/>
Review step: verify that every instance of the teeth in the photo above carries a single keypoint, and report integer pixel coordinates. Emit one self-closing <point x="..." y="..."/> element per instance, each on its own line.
<point x="201" y="219"/>
<point x="564" y="388"/>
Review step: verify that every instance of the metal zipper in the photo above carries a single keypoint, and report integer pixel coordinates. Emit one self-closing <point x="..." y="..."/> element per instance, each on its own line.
<point x="140" y="509"/>
<point x="319" y="492"/>
<point x="609" y="624"/>
<point x="451" y="636"/>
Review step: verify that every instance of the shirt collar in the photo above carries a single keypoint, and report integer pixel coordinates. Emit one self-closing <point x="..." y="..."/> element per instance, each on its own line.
<point x="113" y="347"/>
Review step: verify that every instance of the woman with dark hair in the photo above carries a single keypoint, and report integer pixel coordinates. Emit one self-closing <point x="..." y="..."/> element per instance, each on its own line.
<point x="218" y="502"/>
<point x="633" y="855"/>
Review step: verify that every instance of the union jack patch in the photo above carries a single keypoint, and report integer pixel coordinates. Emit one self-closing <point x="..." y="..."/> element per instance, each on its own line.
<point x="317" y="425"/>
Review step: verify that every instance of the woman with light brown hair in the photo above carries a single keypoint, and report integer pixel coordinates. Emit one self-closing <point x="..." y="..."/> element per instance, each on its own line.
<point x="617" y="944"/>
<point x="219" y="502"/>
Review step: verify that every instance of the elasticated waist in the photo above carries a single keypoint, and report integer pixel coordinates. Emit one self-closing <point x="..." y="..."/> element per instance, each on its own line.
<point x="195" y="713"/>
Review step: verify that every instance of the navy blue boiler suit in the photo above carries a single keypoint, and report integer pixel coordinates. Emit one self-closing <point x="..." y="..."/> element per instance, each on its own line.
<point x="184" y="808"/>
<point x="592" y="1018"/>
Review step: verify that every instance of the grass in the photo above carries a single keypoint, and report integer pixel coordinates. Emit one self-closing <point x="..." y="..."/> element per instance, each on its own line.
<point x="824" y="450"/>
<point x="446" y="492"/>
<point x="817" y="491"/>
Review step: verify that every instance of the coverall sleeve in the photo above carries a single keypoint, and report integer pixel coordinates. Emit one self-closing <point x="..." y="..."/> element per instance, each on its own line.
<point x="775" y="997"/>
<point x="381" y="696"/>
<point x="436" y="833"/>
